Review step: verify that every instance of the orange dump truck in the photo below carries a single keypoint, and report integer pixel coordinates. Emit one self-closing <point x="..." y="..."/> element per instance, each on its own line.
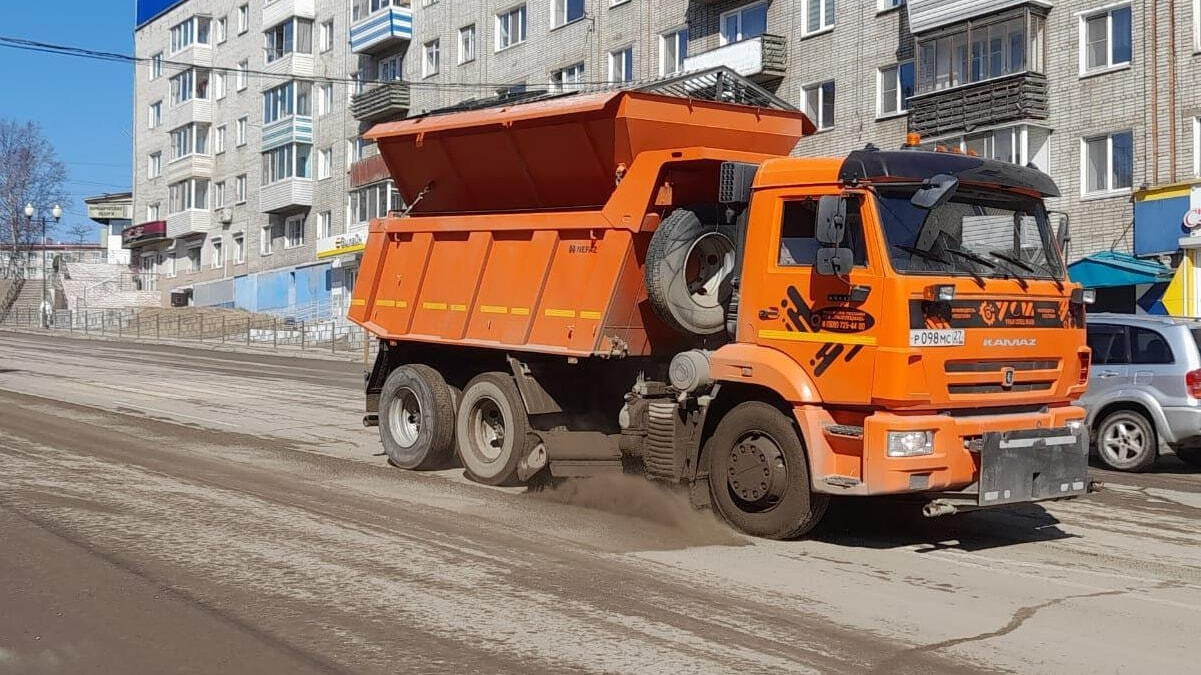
<point x="632" y="281"/>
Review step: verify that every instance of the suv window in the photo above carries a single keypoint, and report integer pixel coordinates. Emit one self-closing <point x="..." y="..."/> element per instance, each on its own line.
<point x="1150" y="347"/>
<point x="1109" y="344"/>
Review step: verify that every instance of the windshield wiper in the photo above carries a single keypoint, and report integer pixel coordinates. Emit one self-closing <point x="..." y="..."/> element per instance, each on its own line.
<point x="968" y="255"/>
<point x="1010" y="259"/>
<point x="939" y="259"/>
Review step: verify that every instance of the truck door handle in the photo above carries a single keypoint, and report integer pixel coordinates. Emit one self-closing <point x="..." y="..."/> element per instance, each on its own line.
<point x="769" y="313"/>
<point x="1107" y="373"/>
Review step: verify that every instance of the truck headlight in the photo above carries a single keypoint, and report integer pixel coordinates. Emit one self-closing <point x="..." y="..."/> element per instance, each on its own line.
<point x="1074" y="426"/>
<point x="910" y="443"/>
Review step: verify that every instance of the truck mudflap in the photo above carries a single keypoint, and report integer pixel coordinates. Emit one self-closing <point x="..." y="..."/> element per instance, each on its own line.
<point x="1029" y="465"/>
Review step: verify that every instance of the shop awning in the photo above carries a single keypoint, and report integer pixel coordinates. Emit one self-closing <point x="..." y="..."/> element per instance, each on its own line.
<point x="1110" y="268"/>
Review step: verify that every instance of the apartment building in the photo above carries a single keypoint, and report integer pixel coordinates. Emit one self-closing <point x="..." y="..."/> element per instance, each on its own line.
<point x="257" y="188"/>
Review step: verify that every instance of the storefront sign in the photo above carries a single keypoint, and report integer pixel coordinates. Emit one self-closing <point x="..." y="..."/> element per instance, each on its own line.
<point x="110" y="211"/>
<point x="1192" y="219"/>
<point x="351" y="242"/>
<point x="143" y="233"/>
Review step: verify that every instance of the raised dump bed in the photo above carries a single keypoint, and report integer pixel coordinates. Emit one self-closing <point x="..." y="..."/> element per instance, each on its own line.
<point x="531" y="223"/>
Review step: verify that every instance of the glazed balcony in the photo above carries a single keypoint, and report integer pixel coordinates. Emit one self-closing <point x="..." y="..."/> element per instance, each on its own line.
<point x="760" y="59"/>
<point x="278" y="11"/>
<point x="384" y="29"/>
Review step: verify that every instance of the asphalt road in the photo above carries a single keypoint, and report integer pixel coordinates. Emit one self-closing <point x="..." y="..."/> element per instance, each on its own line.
<point x="167" y="510"/>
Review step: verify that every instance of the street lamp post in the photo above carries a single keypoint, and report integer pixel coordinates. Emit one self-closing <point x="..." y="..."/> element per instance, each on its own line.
<point x="57" y="212"/>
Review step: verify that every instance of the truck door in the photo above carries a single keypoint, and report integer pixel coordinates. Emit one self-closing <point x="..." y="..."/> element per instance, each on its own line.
<point x="824" y="323"/>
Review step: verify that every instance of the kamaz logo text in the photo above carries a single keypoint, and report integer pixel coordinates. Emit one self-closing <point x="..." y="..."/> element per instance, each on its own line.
<point x="1010" y="342"/>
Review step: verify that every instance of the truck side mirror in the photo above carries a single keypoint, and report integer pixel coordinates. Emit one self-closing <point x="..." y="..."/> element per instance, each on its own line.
<point x="831" y="227"/>
<point x="834" y="262"/>
<point x="1063" y="233"/>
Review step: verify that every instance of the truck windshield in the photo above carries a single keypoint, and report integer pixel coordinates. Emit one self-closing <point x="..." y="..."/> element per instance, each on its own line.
<point x="979" y="233"/>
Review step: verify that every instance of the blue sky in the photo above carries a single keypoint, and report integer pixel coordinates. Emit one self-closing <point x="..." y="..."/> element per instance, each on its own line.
<point x="84" y="106"/>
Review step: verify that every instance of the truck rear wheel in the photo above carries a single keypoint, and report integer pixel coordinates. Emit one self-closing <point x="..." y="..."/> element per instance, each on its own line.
<point x="417" y="419"/>
<point x="688" y="266"/>
<point x="759" y="476"/>
<point x="492" y="429"/>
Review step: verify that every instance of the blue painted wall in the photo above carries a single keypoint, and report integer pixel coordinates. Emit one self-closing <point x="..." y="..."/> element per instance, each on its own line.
<point x="1158" y="225"/>
<point x="274" y="290"/>
<point x="313" y="284"/>
<point x="246" y="292"/>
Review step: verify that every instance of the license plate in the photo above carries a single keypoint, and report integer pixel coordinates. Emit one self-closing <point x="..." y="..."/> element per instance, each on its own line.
<point x="936" y="338"/>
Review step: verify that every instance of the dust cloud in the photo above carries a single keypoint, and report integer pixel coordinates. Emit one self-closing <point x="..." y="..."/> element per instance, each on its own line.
<point x="637" y="497"/>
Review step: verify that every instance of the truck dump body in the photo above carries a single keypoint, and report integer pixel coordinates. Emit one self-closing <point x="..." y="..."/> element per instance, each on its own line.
<point x="535" y="218"/>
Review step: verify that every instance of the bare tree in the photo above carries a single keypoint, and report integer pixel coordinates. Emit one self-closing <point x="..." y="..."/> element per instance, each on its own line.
<point x="79" y="232"/>
<point x="30" y="173"/>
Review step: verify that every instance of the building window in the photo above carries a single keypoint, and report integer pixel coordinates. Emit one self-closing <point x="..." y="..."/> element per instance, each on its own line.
<point x="265" y="243"/>
<point x="218" y="257"/>
<point x="391" y="69"/>
<point x="190" y="139"/>
<point x="218" y="86"/>
<point x="819" y="104"/>
<point x="293" y="98"/>
<point x="895" y="84"/>
<point x="243" y="66"/>
<point x="156" y="66"/>
<point x="170" y="264"/>
<point x="325" y="163"/>
<point x="326" y="35"/>
<point x="372" y="201"/>
<point x="190" y="194"/>
<point x="621" y="65"/>
<point x="293" y="35"/>
<point x="219" y="140"/>
<point x="510" y="28"/>
<point x="566" y="79"/>
<point x="218" y="194"/>
<point x="467" y="44"/>
<point x="979" y="52"/>
<point x="1108" y="163"/>
<point x="673" y="49"/>
<point x="286" y="161"/>
<point x="325" y="224"/>
<point x="325" y="99"/>
<point x="566" y="11"/>
<point x="239" y="249"/>
<point x="152" y="211"/>
<point x="240" y="131"/>
<point x="1105" y="39"/>
<point x="240" y="189"/>
<point x="193" y="258"/>
<point x="155" y="114"/>
<point x="154" y="165"/>
<point x="819" y="15"/>
<point x="294" y="232"/>
<point x="744" y="23"/>
<point x="222" y="30"/>
<point x="431" y="58"/>
<point x="243" y="19"/>
<point x="885" y="5"/>
<point x="194" y="30"/>
<point x="191" y="84"/>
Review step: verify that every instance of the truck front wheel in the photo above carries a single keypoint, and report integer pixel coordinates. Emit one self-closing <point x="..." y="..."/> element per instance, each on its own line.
<point x="416" y="418"/>
<point x="759" y="476"/>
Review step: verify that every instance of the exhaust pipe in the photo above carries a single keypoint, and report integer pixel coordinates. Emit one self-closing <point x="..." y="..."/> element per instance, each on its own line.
<point x="371" y="420"/>
<point x="938" y="508"/>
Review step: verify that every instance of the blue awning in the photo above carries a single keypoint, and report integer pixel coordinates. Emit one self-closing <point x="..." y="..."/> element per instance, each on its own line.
<point x="1110" y="268"/>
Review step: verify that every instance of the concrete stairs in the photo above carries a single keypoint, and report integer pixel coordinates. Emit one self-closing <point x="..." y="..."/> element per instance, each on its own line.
<point x="99" y="286"/>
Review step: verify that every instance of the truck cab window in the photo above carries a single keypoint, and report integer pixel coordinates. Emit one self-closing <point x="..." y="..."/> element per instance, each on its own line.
<point x="798" y="243"/>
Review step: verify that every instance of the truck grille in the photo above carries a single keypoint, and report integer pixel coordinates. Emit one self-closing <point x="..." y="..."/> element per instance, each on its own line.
<point x="1041" y="385"/>
<point x="995" y="366"/>
<point x="987" y="376"/>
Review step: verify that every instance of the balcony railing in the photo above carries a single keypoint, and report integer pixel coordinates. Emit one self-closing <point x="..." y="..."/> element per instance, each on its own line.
<point x="383" y="101"/>
<point x="286" y="195"/>
<point x="384" y="29"/>
<point x="291" y="129"/>
<point x="191" y="221"/>
<point x="762" y="59"/>
<point x="1004" y="99"/>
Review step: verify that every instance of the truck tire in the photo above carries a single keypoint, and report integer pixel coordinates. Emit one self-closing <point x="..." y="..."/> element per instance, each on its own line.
<point x="1126" y="441"/>
<point x="492" y="429"/>
<point x="688" y="267"/>
<point x="759" y="474"/>
<point x="416" y="418"/>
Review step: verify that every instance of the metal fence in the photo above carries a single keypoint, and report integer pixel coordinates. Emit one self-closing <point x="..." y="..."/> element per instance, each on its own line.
<point x="229" y="328"/>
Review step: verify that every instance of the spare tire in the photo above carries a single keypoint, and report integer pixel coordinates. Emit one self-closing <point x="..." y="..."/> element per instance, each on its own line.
<point x="688" y="269"/>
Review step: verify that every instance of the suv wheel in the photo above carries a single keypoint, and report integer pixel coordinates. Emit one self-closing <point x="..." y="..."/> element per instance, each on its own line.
<point x="1126" y="441"/>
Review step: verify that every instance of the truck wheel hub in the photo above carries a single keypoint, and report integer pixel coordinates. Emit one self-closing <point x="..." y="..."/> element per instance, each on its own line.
<point x="757" y="473"/>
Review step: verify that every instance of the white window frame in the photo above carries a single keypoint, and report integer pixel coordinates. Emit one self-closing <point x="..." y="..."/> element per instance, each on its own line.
<point x="1109" y="66"/>
<point x="325" y="224"/>
<point x="154" y="164"/>
<point x="816" y="116"/>
<point x="266" y="245"/>
<point x="240" y="130"/>
<point x="220" y="29"/>
<point x="563" y="84"/>
<point x="156" y="66"/>
<point x="240" y="189"/>
<point x="242" y="67"/>
<point x="153" y="210"/>
<point x="217" y="257"/>
<point x="154" y="113"/>
<point x="673" y="35"/>
<point x="243" y="18"/>
<point x="558" y="13"/>
<point x="507" y="15"/>
<point x="429" y="67"/>
<point x="1109" y="190"/>
<point x="622" y="57"/>
<point x="239" y="248"/>
<point x="468" y="43"/>
<point x="738" y="11"/>
<point x="902" y="105"/>
<point x="218" y="84"/>
<point x="218" y="195"/>
<point x="325" y="163"/>
<point x="290" y="223"/>
<point x="219" y="140"/>
<point x="325" y="35"/>
<point x="824" y="23"/>
<point x="885" y="5"/>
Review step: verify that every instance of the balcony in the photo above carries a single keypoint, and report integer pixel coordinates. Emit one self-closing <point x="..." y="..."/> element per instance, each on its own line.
<point x="293" y="129"/>
<point x="368" y="170"/>
<point x="353" y="241"/>
<point x="278" y="11"/>
<point x="195" y="110"/>
<point x="760" y="59"/>
<point x="190" y="166"/>
<point x="289" y="65"/>
<point x="196" y="54"/>
<point x="387" y="28"/>
<point x="389" y="100"/>
<point x="144" y="233"/>
<point x="1022" y="96"/>
<point x="286" y="195"/>
<point x="191" y="221"/>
